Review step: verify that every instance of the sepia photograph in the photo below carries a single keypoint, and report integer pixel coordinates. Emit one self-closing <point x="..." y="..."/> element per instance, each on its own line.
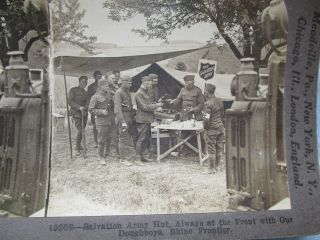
<point x="168" y="119"/>
<point x="168" y="107"/>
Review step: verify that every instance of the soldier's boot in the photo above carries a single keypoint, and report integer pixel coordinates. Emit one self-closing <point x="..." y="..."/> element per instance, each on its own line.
<point x="217" y="162"/>
<point x="101" y="159"/>
<point x="138" y="150"/>
<point x="211" y="164"/>
<point x="143" y="158"/>
<point x="108" y="149"/>
<point x="121" y="157"/>
<point x="118" y="149"/>
<point x="134" y="144"/>
<point x="78" y="144"/>
<point x="138" y="154"/>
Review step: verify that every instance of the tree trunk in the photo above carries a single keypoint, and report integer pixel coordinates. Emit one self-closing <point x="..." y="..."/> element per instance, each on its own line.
<point x="13" y="43"/>
<point x="246" y="41"/>
<point x="3" y="55"/>
<point x="256" y="54"/>
<point x="231" y="44"/>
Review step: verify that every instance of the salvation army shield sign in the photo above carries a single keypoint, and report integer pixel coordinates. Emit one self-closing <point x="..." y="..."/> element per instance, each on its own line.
<point x="206" y="69"/>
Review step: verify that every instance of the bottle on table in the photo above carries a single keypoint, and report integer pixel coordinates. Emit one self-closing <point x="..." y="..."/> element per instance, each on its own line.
<point x="193" y="120"/>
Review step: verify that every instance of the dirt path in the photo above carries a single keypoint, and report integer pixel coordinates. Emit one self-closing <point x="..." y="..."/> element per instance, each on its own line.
<point x="176" y="185"/>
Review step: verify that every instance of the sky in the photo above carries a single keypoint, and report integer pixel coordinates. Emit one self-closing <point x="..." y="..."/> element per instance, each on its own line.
<point x="120" y="33"/>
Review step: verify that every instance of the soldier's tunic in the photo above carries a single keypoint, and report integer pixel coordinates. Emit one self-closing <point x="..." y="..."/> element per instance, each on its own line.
<point x="78" y="98"/>
<point x="193" y="98"/>
<point x="98" y="103"/>
<point x="190" y="98"/>
<point x="214" y="129"/>
<point x="115" y="136"/>
<point x="92" y="89"/>
<point x="156" y="93"/>
<point x="144" y="116"/>
<point x="124" y="113"/>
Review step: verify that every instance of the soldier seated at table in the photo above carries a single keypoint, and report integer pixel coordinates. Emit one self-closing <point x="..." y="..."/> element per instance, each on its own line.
<point x="101" y="104"/>
<point x="213" y="114"/>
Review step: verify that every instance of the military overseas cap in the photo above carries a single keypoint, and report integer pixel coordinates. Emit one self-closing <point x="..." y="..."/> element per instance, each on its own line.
<point x="83" y="78"/>
<point x="97" y="73"/>
<point x="153" y="76"/>
<point x="210" y="87"/>
<point x="146" y="79"/>
<point x="126" y="79"/>
<point x="188" y="78"/>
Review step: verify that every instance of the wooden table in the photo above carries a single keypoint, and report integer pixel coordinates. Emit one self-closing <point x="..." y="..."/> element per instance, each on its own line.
<point x="197" y="130"/>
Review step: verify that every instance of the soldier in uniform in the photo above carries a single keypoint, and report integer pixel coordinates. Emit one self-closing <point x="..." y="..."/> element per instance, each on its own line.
<point x="213" y="114"/>
<point x="117" y="78"/>
<point x="101" y="105"/>
<point x="114" y="86"/>
<point x="78" y="108"/>
<point x="155" y="87"/>
<point x="145" y="115"/>
<point x="124" y="114"/>
<point x="113" y="83"/>
<point x="91" y="91"/>
<point x="191" y="99"/>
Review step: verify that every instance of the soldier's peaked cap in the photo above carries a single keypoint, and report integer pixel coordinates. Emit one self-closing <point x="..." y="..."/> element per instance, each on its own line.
<point x="146" y="79"/>
<point x="210" y="87"/>
<point x="188" y="77"/>
<point x="153" y="76"/>
<point x="83" y="77"/>
<point x="97" y="73"/>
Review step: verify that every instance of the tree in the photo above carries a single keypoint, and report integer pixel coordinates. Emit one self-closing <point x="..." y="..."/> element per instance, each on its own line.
<point x="67" y="26"/>
<point x="237" y="21"/>
<point x="17" y="18"/>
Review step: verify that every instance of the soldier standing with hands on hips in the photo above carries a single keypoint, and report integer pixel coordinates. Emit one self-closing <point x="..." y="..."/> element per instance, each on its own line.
<point x="101" y="105"/>
<point x="78" y="108"/>
<point x="213" y="114"/>
<point x="145" y="115"/>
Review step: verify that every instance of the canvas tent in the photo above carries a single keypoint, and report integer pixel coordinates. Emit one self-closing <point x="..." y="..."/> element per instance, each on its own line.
<point x="171" y="81"/>
<point x="114" y="59"/>
<point x="168" y="83"/>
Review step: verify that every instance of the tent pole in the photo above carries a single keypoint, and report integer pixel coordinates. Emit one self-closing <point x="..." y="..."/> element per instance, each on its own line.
<point x="67" y="103"/>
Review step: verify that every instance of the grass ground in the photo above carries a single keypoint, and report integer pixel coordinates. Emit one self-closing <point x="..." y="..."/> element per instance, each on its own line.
<point x="176" y="185"/>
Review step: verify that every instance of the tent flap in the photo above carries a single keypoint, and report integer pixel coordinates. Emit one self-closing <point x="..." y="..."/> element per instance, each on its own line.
<point x="76" y="65"/>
